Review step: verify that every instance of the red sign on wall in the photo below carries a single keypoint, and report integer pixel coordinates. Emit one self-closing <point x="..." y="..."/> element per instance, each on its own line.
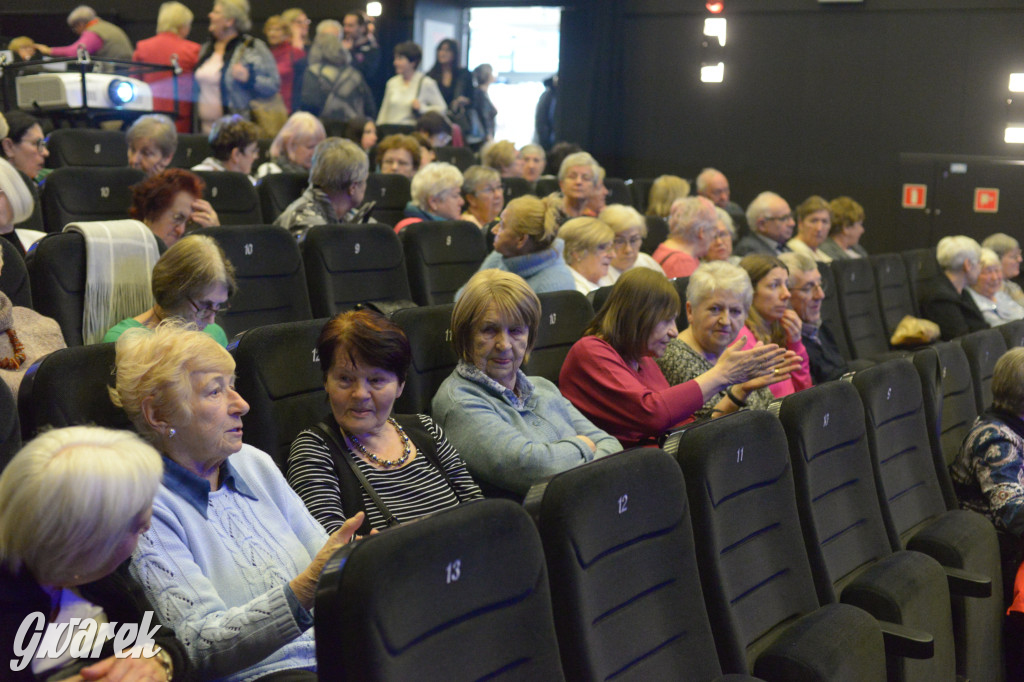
<point x="915" y="196"/>
<point x="986" y="200"/>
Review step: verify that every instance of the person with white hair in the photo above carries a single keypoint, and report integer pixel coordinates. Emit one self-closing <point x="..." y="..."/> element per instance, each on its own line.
<point x="173" y="24"/>
<point x="692" y="223"/>
<point x="292" y="148"/>
<point x="577" y="180"/>
<point x="436" y="195"/>
<point x="73" y="503"/>
<point x="630" y="229"/>
<point x="996" y="306"/>
<point x="944" y="300"/>
<point x="152" y="141"/>
<point x="1008" y="250"/>
<point x="713" y="184"/>
<point x="100" y="38"/>
<point x="771" y="225"/>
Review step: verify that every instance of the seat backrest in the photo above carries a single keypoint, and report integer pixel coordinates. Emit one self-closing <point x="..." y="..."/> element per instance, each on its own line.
<point x="563" y="317"/>
<point x="750" y="549"/>
<point x="680" y="284"/>
<point x="836" y="491"/>
<point x="950" y="409"/>
<point x="513" y="188"/>
<point x="10" y="426"/>
<point x="641" y="191"/>
<point x="983" y="348"/>
<point x="858" y="305"/>
<point x="657" y="232"/>
<point x="894" y="298"/>
<point x="618" y="192"/>
<point x="921" y="267"/>
<point x="87" y="194"/>
<point x="830" y="314"/>
<point x="233" y="197"/>
<point x="465" y="597"/>
<point x="901" y="452"/>
<point x="68" y="387"/>
<point x="389" y="190"/>
<point x="57" y="275"/>
<point x="192" y="149"/>
<point x="35" y="219"/>
<point x="441" y="256"/>
<point x="278" y="374"/>
<point x="87" y="147"/>
<point x="460" y="157"/>
<point x="350" y="264"/>
<point x="1013" y="333"/>
<point x="385" y="129"/>
<point x="14" y="276"/>
<point x="433" y="358"/>
<point x="269" y="272"/>
<point x="623" y="570"/>
<point x="278" y="190"/>
<point x="926" y="362"/>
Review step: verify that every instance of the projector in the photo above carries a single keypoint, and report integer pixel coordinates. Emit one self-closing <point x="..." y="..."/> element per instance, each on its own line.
<point x="64" y="91"/>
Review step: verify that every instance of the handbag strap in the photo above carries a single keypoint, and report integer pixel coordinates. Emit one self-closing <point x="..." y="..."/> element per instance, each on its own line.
<point x="427" y="449"/>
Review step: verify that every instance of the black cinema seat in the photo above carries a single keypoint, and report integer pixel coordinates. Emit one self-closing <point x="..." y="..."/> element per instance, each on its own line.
<point x="278" y="190"/>
<point x="657" y="232"/>
<point x="441" y="256"/>
<point x="513" y="188"/>
<point x="640" y="188"/>
<point x="563" y="317"/>
<point x="14" y="276"/>
<point x="858" y="305"/>
<point x="10" y="426"/>
<point x="233" y="197"/>
<point x="390" y="192"/>
<point x="546" y="186"/>
<point x="35" y="219"/>
<point x="618" y="192"/>
<point x="894" y="298"/>
<point x="460" y="157"/>
<point x="1013" y="333"/>
<point x="192" y="149"/>
<point x="87" y="147"/>
<point x="830" y="314"/>
<point x="983" y="348"/>
<point x="57" y="275"/>
<point x="433" y="357"/>
<point x="87" y="194"/>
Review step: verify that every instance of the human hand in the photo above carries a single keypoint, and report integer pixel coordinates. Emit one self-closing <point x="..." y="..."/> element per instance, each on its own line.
<point x="240" y="72"/>
<point x="304" y="584"/>
<point x="792" y="325"/>
<point x="786" y="365"/>
<point x="590" y="443"/>
<point x="41" y="49"/>
<point x="203" y="214"/>
<point x="416" y="104"/>
<point x="738" y="366"/>
<point x="124" y="670"/>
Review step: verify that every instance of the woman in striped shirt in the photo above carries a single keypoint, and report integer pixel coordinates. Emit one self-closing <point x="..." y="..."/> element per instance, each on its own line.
<point x="361" y="457"/>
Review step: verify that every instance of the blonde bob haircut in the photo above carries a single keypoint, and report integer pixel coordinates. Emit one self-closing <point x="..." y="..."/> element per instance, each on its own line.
<point x="499" y="155"/>
<point x="158" y="364"/>
<point x="238" y="11"/>
<point x="432" y="180"/>
<point x="188" y="269"/>
<point x="990" y="259"/>
<point x="301" y="126"/>
<point x="533" y="217"/>
<point x="514" y="302"/>
<point x="583" y="235"/>
<point x="845" y="212"/>
<point x="620" y="218"/>
<point x="69" y="498"/>
<point x="664" y="191"/>
<point x="1008" y="382"/>
<point x="640" y="300"/>
<point x="172" y="17"/>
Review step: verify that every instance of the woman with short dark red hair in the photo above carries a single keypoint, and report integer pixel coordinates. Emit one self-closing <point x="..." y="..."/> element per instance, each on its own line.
<point x="169" y="201"/>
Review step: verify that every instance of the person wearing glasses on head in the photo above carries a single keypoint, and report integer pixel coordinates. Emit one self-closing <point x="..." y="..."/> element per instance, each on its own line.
<point x="630" y="229"/>
<point x="771" y="224"/>
<point x="24" y="144"/>
<point x="806" y="295"/>
<point x="192" y="281"/>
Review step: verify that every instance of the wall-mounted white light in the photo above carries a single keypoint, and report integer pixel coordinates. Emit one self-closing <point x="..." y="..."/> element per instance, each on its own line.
<point x="373" y="9"/>
<point x="714" y="27"/>
<point x="1014" y="134"/>
<point x="1017" y="82"/>
<point x="712" y="73"/>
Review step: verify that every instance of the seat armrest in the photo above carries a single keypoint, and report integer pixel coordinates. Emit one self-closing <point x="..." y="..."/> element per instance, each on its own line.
<point x="906" y="642"/>
<point x="968" y="583"/>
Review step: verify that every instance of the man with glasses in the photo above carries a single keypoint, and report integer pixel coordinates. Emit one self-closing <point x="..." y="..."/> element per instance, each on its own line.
<point x="771" y="223"/>
<point x="806" y="294"/>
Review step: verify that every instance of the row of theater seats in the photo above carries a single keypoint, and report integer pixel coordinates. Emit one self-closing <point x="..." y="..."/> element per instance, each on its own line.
<point x="793" y="516"/>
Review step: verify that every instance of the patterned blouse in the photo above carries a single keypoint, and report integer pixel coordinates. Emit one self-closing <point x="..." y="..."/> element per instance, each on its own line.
<point x="988" y="472"/>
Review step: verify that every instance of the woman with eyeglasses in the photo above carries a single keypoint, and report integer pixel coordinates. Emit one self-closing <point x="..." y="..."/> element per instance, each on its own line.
<point x="169" y="201"/>
<point x="630" y="229"/>
<point x="24" y="144"/>
<point x="722" y="239"/>
<point x="192" y="281"/>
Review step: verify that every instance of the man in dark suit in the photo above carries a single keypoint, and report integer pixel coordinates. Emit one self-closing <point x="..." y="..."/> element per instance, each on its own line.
<point x="771" y="224"/>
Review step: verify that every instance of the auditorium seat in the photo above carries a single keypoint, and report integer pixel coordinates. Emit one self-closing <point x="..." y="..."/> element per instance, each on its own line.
<point x="350" y="264"/>
<point x="14" y="280"/>
<point x="830" y="314"/>
<point x="68" y="387"/>
<point x="563" y="317"/>
<point x="460" y="157"/>
<point x="513" y="188"/>
<point x="57" y="275"/>
<point x="192" y="149"/>
<point x="86" y="147"/>
<point x="754" y="567"/>
<point x="390" y="191"/>
<point x="623" y="571"/>
<point x="852" y="557"/>
<point x="278" y="373"/>
<point x="921" y="267"/>
<point x="459" y="595"/>
<point x="893" y="288"/>
<point x="385" y="129"/>
<point x="433" y="357"/>
<point x="1013" y="333"/>
<point x="618" y="192"/>
<point x="917" y="518"/>
<point x="87" y="194"/>
<point x="545" y="186"/>
<point x="598" y="296"/>
<point x="233" y="197"/>
<point x="983" y="348"/>
<point x="858" y="305"/>
<point x="640" y="188"/>
<point x="441" y="256"/>
<point x="269" y="272"/>
<point x="35" y="219"/>
<point x="657" y="232"/>
<point x="10" y="426"/>
<point x="278" y="190"/>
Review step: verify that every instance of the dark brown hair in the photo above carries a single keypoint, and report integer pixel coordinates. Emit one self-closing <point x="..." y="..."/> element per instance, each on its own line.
<point x="368" y="338"/>
<point x="640" y="300"/>
<point x="154" y="195"/>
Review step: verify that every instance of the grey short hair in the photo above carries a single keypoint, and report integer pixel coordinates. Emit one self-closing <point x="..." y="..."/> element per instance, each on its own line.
<point x="433" y="179"/>
<point x="705" y="177"/>
<point x="337" y="163"/>
<point x="726" y="219"/>
<point x="533" y="149"/>
<point x="237" y="10"/>
<point x="759" y="206"/>
<point x="689" y="216"/>
<point x="69" y="498"/>
<point x="578" y="159"/>
<point x="620" y="218"/>
<point x="1008" y="382"/>
<point x="172" y="16"/>
<point x="719" y="275"/>
<point x="952" y="252"/>
<point x="81" y="14"/>
<point x="329" y="27"/>
<point x="1001" y="243"/>
<point x="476" y="176"/>
<point x="797" y="262"/>
<point x="156" y="127"/>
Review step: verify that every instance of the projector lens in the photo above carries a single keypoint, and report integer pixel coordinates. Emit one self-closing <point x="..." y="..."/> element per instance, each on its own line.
<point x="121" y="92"/>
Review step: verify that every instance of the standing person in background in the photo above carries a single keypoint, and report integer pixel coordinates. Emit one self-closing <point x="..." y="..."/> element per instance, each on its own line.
<point x="483" y="76"/>
<point x="409" y="93"/>
<point x="454" y="82"/>
<point x="544" y="117"/>
<point x="101" y="39"/>
<point x="297" y="27"/>
<point x="332" y="88"/>
<point x="290" y="60"/>
<point x="363" y="47"/>
<point x="173" y="24"/>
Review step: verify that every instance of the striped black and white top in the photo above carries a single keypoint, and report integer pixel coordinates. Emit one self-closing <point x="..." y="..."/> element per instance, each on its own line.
<point x="412" y="491"/>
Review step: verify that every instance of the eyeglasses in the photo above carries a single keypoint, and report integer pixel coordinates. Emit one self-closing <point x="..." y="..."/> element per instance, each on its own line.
<point x="784" y="218"/>
<point x="809" y="288"/>
<point x="206" y="307"/>
<point x="489" y="189"/>
<point x="632" y="241"/>
<point x="39" y="144"/>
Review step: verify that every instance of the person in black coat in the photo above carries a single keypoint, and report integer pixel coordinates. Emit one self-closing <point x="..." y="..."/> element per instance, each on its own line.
<point x="806" y="296"/>
<point x="945" y="300"/>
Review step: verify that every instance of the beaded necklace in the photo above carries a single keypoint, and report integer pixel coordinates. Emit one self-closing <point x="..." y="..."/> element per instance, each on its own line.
<point x="19" y="352"/>
<point x="384" y="463"/>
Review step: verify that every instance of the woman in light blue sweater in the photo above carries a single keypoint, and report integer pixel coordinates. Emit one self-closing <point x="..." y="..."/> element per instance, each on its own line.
<point x="511" y="430"/>
<point x="524" y="244"/>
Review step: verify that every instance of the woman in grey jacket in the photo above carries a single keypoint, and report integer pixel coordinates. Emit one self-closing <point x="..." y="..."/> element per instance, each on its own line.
<point x="332" y="88"/>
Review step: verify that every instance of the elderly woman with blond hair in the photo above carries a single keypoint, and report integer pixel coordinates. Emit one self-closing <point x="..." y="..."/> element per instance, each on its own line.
<point x="588" y="252"/>
<point x="1008" y="250"/>
<point x="577" y="181"/>
<point x="691" y="227"/>
<point x="524" y="239"/>
<point x="292" y="149"/>
<point x="532" y="159"/>
<point x="232" y="556"/>
<point x="512" y="430"/>
<point x="664" y="192"/>
<point x="73" y="503"/>
<point x="630" y="229"/>
<point x="502" y="157"/>
<point x="722" y="239"/>
<point x="813" y="224"/>
<point x="996" y="306"/>
<point x="436" y="195"/>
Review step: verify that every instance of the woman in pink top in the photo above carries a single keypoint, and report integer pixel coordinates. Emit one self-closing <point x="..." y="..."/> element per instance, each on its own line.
<point x="610" y="374"/>
<point x="692" y="223"/>
<point x="771" y="320"/>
